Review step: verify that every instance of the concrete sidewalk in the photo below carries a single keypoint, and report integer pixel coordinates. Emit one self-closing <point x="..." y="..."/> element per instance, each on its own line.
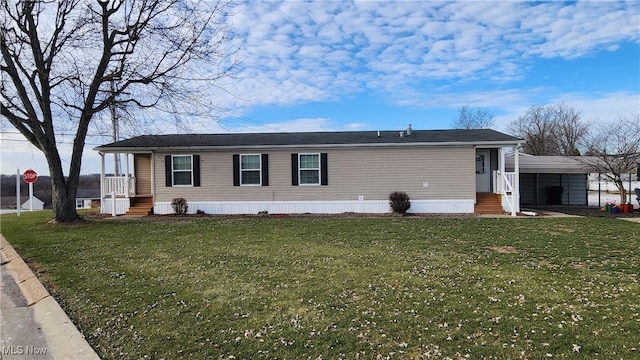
<point x="32" y="323"/>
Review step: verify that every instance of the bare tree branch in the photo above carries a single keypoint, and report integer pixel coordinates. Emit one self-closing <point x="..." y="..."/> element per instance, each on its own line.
<point x="65" y="61"/>
<point x="614" y="149"/>
<point x="551" y="130"/>
<point x="473" y="118"/>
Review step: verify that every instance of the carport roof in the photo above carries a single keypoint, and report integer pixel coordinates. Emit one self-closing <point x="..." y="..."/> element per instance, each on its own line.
<point x="548" y="164"/>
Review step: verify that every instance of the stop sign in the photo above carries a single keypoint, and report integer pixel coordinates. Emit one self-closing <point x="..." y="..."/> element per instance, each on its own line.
<point x="30" y="176"/>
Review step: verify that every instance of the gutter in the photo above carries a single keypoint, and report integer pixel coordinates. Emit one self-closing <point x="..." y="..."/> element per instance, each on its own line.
<point x="145" y="149"/>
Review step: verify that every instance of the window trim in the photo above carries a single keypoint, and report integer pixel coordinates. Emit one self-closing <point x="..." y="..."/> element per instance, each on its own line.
<point x="173" y="171"/>
<point x="319" y="169"/>
<point x="259" y="170"/>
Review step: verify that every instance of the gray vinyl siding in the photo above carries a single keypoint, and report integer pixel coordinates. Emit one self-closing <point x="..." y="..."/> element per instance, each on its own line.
<point x="528" y="190"/>
<point x="352" y="172"/>
<point x="575" y="189"/>
<point x="533" y="188"/>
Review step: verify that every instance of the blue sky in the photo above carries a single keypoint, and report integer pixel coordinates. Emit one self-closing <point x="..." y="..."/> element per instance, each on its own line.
<point x="368" y="65"/>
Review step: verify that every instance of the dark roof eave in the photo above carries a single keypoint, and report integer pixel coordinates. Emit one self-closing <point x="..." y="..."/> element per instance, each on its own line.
<point x="143" y="149"/>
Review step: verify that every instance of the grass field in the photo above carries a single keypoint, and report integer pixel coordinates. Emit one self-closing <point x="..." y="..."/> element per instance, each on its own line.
<point x="352" y="288"/>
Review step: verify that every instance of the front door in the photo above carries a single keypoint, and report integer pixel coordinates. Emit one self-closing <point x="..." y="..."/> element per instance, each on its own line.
<point x="483" y="171"/>
<point x="142" y="167"/>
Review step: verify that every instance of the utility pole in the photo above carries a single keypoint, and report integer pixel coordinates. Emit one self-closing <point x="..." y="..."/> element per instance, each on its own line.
<point x="114" y="130"/>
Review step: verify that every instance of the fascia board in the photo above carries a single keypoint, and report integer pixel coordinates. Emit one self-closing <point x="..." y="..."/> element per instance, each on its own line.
<point x="315" y="146"/>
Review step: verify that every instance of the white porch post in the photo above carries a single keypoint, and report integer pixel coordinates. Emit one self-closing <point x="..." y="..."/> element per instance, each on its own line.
<point x="502" y="168"/>
<point x="153" y="171"/>
<point x="102" y="182"/>
<point x="516" y="182"/>
<point x="126" y="161"/>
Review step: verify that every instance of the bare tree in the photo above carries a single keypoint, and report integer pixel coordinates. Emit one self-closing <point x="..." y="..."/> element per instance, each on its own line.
<point x="537" y="127"/>
<point x="65" y="61"/>
<point x="551" y="130"/>
<point x="473" y="118"/>
<point x="614" y="149"/>
<point x="570" y="130"/>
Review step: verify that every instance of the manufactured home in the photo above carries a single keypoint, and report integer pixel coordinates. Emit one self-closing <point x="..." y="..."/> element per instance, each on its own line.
<point x="443" y="171"/>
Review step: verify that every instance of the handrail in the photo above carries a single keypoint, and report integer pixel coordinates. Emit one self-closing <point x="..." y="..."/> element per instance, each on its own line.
<point x="507" y="188"/>
<point x="120" y="185"/>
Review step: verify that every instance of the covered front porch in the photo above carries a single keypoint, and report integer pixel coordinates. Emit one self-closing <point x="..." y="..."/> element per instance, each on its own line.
<point x="494" y="183"/>
<point x="129" y="188"/>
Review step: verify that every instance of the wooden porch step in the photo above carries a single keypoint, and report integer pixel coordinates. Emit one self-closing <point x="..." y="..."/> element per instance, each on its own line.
<point x="139" y="211"/>
<point x="141" y="200"/>
<point x="140" y="205"/>
<point x="488" y="203"/>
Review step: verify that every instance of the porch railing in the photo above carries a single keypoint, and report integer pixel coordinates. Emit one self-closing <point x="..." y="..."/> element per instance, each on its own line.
<point x="121" y="185"/>
<point x="506" y="186"/>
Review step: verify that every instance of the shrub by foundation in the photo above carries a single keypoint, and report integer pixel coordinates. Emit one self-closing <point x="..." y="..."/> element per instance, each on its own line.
<point x="399" y="202"/>
<point x="180" y="206"/>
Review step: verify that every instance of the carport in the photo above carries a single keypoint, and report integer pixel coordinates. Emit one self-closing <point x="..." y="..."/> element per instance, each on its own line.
<point x="551" y="180"/>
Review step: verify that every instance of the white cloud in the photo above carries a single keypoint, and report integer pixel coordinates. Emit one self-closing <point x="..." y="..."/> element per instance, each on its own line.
<point x="605" y="107"/>
<point x="297" y="125"/>
<point x="412" y="53"/>
<point x="315" y="51"/>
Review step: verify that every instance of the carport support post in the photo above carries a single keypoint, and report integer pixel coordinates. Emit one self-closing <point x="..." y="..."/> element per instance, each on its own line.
<point x="599" y="200"/>
<point x="630" y="188"/>
<point x="515" y="195"/>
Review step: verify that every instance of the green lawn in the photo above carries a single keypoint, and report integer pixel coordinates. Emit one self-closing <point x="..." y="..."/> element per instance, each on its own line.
<point x="327" y="288"/>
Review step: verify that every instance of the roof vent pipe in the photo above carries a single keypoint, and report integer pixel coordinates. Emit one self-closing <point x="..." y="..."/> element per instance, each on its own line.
<point x="409" y="130"/>
<point x="401" y="133"/>
<point x="378" y="133"/>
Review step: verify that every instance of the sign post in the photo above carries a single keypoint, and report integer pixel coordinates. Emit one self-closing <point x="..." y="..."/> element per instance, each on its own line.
<point x="18" y="192"/>
<point x="30" y="177"/>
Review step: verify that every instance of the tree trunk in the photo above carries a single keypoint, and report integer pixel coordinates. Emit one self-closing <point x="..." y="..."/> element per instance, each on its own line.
<point x="623" y="193"/>
<point x="63" y="193"/>
<point x="64" y="207"/>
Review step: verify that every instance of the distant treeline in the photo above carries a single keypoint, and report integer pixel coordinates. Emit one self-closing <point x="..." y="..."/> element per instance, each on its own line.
<point x="42" y="187"/>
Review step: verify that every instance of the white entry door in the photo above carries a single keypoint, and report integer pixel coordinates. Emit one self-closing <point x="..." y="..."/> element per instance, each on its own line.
<point x="483" y="171"/>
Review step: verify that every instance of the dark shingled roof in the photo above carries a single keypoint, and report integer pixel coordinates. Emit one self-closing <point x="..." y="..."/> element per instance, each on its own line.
<point x="310" y="139"/>
<point x="88" y="194"/>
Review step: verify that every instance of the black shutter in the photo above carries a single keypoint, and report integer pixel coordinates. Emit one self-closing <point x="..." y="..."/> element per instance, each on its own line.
<point x="236" y="170"/>
<point x="294" y="169"/>
<point x="168" y="169"/>
<point x="196" y="170"/>
<point x="324" y="176"/>
<point x="265" y="169"/>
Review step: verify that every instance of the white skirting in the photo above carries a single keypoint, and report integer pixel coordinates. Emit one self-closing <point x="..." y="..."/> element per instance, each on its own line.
<point x="122" y="206"/>
<point x="457" y="206"/>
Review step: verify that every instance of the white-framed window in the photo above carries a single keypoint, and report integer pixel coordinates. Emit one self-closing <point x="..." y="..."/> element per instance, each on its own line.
<point x="480" y="165"/>
<point x="79" y="204"/>
<point x="309" y="169"/>
<point x="250" y="169"/>
<point x="182" y="170"/>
